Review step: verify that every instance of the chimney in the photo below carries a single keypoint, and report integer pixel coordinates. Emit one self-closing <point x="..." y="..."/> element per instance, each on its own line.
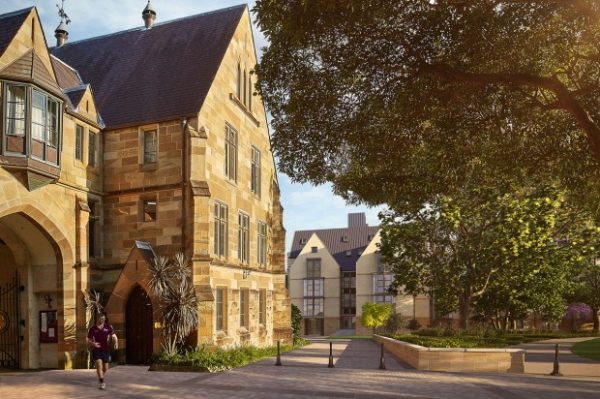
<point x="61" y="34"/>
<point x="149" y="15"/>
<point x="357" y="220"/>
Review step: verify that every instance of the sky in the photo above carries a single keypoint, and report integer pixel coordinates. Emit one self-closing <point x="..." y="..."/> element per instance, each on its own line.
<point x="305" y="206"/>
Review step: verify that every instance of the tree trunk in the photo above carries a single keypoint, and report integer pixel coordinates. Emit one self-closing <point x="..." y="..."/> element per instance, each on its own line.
<point x="596" y="319"/>
<point x="464" y="309"/>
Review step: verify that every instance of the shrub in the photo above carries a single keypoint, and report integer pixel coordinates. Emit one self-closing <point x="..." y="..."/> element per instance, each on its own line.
<point x="376" y="315"/>
<point x="414" y="324"/>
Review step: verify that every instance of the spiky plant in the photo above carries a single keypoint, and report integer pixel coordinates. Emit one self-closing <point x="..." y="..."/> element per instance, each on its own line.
<point x="180" y="268"/>
<point x="160" y="275"/>
<point x="180" y="309"/>
<point x="92" y="305"/>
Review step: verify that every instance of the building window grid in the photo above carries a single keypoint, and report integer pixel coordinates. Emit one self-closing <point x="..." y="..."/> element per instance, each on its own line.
<point x="221" y="307"/>
<point x="15" y="110"/>
<point x="79" y="142"/>
<point x="244" y="307"/>
<point x="243" y="237"/>
<point x="92" y="152"/>
<point x="231" y="138"/>
<point x="150" y="146"/>
<point x="221" y="228"/>
<point x="261" y="253"/>
<point x="255" y="181"/>
<point x="381" y="284"/>
<point x="313" y="289"/>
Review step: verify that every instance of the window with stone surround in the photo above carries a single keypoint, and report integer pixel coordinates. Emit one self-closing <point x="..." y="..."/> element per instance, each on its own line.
<point x="261" y="252"/>
<point x="79" y="142"/>
<point x="231" y="140"/>
<point x="262" y="307"/>
<point x="255" y="185"/>
<point x="244" y="307"/>
<point x="220" y="231"/>
<point x="243" y="237"/>
<point x="150" y="146"/>
<point x="92" y="149"/>
<point x="94" y="229"/>
<point x="149" y="209"/>
<point x="221" y="309"/>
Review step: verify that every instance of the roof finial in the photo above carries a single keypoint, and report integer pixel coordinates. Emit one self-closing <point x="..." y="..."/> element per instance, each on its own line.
<point x="60" y="33"/>
<point x="149" y="15"/>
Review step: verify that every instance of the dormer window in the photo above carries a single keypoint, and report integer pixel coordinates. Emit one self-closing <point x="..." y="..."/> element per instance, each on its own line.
<point x="302" y="241"/>
<point x="40" y="138"/>
<point x="344" y="239"/>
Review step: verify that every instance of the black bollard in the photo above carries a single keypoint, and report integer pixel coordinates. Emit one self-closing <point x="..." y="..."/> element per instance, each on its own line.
<point x="382" y="359"/>
<point x="556" y="370"/>
<point x="330" y="365"/>
<point x="278" y="362"/>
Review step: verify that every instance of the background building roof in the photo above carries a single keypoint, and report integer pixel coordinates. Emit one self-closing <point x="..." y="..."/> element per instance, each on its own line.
<point x="144" y="75"/>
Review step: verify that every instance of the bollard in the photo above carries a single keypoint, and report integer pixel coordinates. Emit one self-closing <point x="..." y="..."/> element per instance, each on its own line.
<point x="382" y="359"/>
<point x="330" y="365"/>
<point x="556" y="370"/>
<point x="278" y="362"/>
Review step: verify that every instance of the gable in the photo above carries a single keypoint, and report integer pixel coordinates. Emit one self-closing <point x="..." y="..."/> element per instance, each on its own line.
<point x="31" y="68"/>
<point x="11" y="23"/>
<point x="151" y="75"/>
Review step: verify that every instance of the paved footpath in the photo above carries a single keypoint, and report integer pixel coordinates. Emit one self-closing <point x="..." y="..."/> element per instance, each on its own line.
<point x="304" y="374"/>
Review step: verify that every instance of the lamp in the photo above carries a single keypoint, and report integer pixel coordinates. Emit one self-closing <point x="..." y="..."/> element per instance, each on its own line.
<point x="245" y="273"/>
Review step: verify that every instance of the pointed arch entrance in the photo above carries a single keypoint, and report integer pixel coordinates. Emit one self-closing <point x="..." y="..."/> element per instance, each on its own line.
<point x="138" y="326"/>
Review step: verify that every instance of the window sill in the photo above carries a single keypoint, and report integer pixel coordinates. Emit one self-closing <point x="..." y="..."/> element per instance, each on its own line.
<point x="244" y="108"/>
<point x="148" y="167"/>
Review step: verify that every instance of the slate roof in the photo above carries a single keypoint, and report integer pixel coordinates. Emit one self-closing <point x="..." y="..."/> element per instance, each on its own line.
<point x="143" y="75"/>
<point x="75" y="95"/>
<point x="30" y="68"/>
<point x="9" y="25"/>
<point x="358" y="239"/>
<point x="67" y="77"/>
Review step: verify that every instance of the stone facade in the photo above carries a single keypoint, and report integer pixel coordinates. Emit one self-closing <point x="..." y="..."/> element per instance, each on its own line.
<point x="78" y="231"/>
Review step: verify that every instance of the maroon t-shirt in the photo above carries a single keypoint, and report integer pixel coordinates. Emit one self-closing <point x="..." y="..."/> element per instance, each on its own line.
<point x="101" y="335"/>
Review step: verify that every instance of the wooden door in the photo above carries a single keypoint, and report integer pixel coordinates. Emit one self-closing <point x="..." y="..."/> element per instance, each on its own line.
<point x="138" y="327"/>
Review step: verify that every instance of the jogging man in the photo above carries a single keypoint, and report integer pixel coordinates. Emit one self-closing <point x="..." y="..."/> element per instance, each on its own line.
<point x="98" y="337"/>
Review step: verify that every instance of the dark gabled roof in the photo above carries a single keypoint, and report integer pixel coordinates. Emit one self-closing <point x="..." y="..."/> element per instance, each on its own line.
<point x="75" y="95"/>
<point x="143" y="75"/>
<point x="66" y="76"/>
<point x="30" y="68"/>
<point x="9" y="26"/>
<point x="357" y="240"/>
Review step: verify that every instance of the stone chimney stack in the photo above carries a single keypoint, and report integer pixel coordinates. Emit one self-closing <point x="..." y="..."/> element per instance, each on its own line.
<point x="357" y="220"/>
<point x="149" y="15"/>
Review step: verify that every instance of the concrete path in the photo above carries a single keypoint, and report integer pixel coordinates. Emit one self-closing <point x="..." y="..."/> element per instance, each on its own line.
<point x="539" y="358"/>
<point x="304" y="374"/>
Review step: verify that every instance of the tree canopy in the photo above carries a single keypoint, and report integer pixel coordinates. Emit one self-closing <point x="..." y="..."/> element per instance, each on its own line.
<point x="399" y="101"/>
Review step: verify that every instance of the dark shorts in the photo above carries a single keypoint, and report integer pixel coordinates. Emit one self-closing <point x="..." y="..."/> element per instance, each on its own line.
<point x="102" y="355"/>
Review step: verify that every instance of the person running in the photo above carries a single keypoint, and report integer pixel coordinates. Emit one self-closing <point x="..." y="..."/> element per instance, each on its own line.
<point x="98" y="338"/>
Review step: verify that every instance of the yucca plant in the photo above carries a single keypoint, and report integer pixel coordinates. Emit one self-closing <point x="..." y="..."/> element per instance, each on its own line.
<point x="160" y="275"/>
<point x="92" y="305"/>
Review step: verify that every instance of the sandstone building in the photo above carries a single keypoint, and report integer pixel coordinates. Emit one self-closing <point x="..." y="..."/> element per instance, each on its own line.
<point x="118" y="148"/>
<point x="334" y="272"/>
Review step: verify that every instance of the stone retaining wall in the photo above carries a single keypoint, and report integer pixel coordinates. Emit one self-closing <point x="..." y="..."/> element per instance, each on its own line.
<point x="455" y="359"/>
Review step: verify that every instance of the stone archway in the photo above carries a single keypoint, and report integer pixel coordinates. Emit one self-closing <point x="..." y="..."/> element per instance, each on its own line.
<point x="138" y="326"/>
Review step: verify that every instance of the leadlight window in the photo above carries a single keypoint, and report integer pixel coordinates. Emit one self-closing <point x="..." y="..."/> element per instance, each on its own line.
<point x="231" y="153"/>
<point x="261" y="252"/>
<point x="255" y="172"/>
<point x="92" y="149"/>
<point x="150" y="145"/>
<point x="15" y="110"/>
<point x="262" y="307"/>
<point x="220" y="233"/>
<point x="244" y="307"/>
<point x="221" y="309"/>
<point x="243" y="237"/>
<point x="79" y="142"/>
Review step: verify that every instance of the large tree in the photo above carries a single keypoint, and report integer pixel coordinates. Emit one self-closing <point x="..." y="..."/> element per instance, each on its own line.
<point x="395" y="101"/>
<point x="502" y="254"/>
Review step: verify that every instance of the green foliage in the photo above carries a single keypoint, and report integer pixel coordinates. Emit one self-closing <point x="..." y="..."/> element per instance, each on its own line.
<point x="589" y="349"/>
<point x="296" y="322"/>
<point x="376" y="315"/>
<point x="502" y="255"/>
<point x="588" y="289"/>
<point x="213" y="360"/>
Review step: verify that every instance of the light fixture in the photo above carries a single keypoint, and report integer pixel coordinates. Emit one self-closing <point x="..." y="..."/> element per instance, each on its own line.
<point x="245" y="273"/>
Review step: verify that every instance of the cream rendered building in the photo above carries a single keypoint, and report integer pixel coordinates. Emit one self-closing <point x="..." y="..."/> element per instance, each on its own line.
<point x="334" y="272"/>
<point x="117" y="149"/>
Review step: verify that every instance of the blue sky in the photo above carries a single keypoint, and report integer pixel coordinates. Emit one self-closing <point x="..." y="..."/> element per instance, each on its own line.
<point x="306" y="206"/>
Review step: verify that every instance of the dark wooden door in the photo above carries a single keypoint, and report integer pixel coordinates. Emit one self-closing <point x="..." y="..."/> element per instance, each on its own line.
<point x="138" y="327"/>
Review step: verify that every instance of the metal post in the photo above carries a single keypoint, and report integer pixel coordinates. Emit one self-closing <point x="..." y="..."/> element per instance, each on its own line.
<point x="330" y="365"/>
<point x="382" y="359"/>
<point x="556" y="370"/>
<point x="278" y="362"/>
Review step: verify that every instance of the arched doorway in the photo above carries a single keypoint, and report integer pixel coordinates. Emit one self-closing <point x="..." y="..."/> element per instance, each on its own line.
<point x="138" y="327"/>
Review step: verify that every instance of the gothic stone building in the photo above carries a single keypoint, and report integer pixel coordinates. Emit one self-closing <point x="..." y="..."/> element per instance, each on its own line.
<point x="118" y="148"/>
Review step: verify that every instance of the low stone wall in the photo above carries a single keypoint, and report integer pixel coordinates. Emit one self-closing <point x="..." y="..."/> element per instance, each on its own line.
<point x="455" y="359"/>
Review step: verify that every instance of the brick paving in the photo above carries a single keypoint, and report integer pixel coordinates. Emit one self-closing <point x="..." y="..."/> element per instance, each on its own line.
<point x="304" y="374"/>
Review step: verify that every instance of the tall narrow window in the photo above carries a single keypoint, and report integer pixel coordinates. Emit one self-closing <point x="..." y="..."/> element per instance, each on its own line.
<point x="244" y="92"/>
<point x="92" y="153"/>
<point x="220" y="233"/>
<point x="255" y="172"/>
<point x="149" y="210"/>
<point x="78" y="142"/>
<point x="52" y="123"/>
<point x="243" y="237"/>
<point x="244" y="308"/>
<point x="150" y="147"/>
<point x="230" y="153"/>
<point x="262" y="307"/>
<point x="221" y="309"/>
<point x="250" y="92"/>
<point x="38" y="116"/>
<point x="15" y="112"/>
<point x="261" y="253"/>
<point x="93" y="229"/>
<point x="239" y="82"/>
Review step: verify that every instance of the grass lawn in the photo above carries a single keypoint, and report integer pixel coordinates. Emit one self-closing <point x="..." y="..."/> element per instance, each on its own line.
<point x="589" y="349"/>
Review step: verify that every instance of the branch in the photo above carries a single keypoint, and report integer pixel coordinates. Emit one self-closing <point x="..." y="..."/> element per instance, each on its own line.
<point x="565" y="99"/>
